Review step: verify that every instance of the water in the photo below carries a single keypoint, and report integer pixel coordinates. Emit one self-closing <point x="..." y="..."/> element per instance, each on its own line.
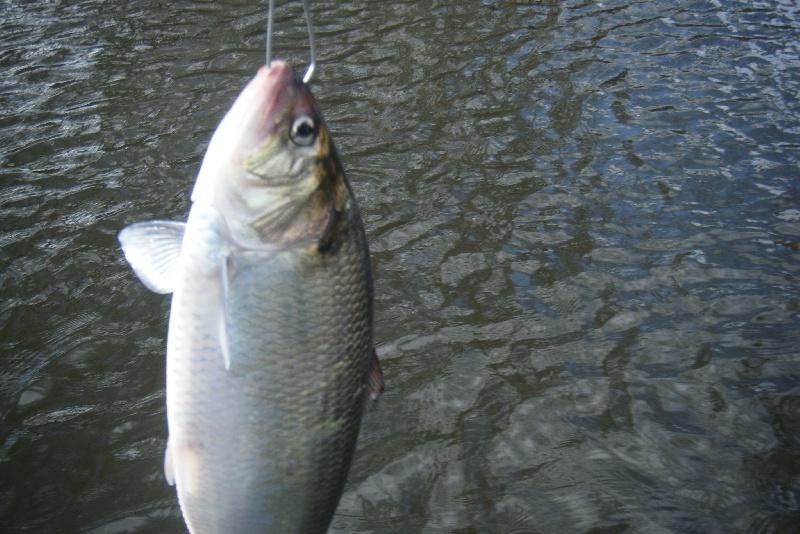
<point x="584" y="220"/>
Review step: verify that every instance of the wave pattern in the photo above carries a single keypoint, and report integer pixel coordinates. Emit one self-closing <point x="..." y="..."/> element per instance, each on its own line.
<point x="584" y="224"/>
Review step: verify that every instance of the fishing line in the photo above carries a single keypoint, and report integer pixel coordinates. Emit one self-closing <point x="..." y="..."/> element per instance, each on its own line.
<point x="311" y="40"/>
<point x="270" y="10"/>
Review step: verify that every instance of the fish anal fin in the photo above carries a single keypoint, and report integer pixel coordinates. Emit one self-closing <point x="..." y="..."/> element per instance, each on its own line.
<point x="169" y="468"/>
<point x="182" y="465"/>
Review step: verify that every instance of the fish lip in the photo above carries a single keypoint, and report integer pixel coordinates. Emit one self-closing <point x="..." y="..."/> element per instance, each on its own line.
<point x="269" y="85"/>
<point x="278" y="72"/>
<point x="277" y="68"/>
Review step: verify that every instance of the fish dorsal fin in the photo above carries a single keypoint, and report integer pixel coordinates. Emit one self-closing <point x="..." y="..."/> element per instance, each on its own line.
<point x="374" y="384"/>
<point x="153" y="249"/>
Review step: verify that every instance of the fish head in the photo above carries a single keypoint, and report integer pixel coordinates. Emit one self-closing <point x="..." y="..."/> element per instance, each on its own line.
<point x="271" y="171"/>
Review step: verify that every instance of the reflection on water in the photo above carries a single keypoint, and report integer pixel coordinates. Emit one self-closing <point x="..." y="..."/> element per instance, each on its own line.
<point x="584" y="222"/>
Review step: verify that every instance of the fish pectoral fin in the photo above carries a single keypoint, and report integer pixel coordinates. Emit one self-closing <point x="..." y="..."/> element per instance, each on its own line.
<point x="153" y="249"/>
<point x="374" y="385"/>
<point x="224" y="344"/>
<point x="224" y="316"/>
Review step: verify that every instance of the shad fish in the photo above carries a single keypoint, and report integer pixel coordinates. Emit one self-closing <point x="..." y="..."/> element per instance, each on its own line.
<point x="270" y="360"/>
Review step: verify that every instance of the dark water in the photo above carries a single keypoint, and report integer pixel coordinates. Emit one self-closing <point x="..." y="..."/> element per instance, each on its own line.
<point x="584" y="219"/>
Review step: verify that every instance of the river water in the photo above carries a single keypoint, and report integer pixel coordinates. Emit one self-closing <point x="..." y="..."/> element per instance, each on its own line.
<point x="584" y="220"/>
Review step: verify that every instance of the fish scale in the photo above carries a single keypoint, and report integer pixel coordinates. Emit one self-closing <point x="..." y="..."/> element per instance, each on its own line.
<point x="296" y="306"/>
<point x="270" y="357"/>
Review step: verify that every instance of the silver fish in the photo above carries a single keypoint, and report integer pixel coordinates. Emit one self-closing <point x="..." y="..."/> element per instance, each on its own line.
<point x="270" y="358"/>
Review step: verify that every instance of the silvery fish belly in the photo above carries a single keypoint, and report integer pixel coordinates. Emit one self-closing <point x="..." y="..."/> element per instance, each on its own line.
<point x="270" y="360"/>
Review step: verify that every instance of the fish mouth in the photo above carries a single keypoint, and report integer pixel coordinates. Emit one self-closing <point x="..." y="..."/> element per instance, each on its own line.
<point x="271" y="90"/>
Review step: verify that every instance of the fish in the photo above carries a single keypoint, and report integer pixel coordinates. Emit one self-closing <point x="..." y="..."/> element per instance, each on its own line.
<point x="270" y="354"/>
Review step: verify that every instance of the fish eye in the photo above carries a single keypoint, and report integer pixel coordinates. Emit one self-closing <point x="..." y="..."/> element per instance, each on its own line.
<point x="304" y="131"/>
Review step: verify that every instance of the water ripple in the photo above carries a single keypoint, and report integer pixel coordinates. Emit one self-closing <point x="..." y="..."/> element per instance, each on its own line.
<point x="583" y="220"/>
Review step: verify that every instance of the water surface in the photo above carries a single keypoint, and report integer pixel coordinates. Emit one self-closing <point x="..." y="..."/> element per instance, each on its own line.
<point x="584" y="220"/>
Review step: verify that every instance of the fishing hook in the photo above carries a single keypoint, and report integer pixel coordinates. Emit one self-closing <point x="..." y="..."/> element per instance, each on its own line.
<point x="312" y="45"/>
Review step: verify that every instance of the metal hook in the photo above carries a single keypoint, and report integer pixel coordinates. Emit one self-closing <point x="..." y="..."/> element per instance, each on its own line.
<point x="312" y="45"/>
